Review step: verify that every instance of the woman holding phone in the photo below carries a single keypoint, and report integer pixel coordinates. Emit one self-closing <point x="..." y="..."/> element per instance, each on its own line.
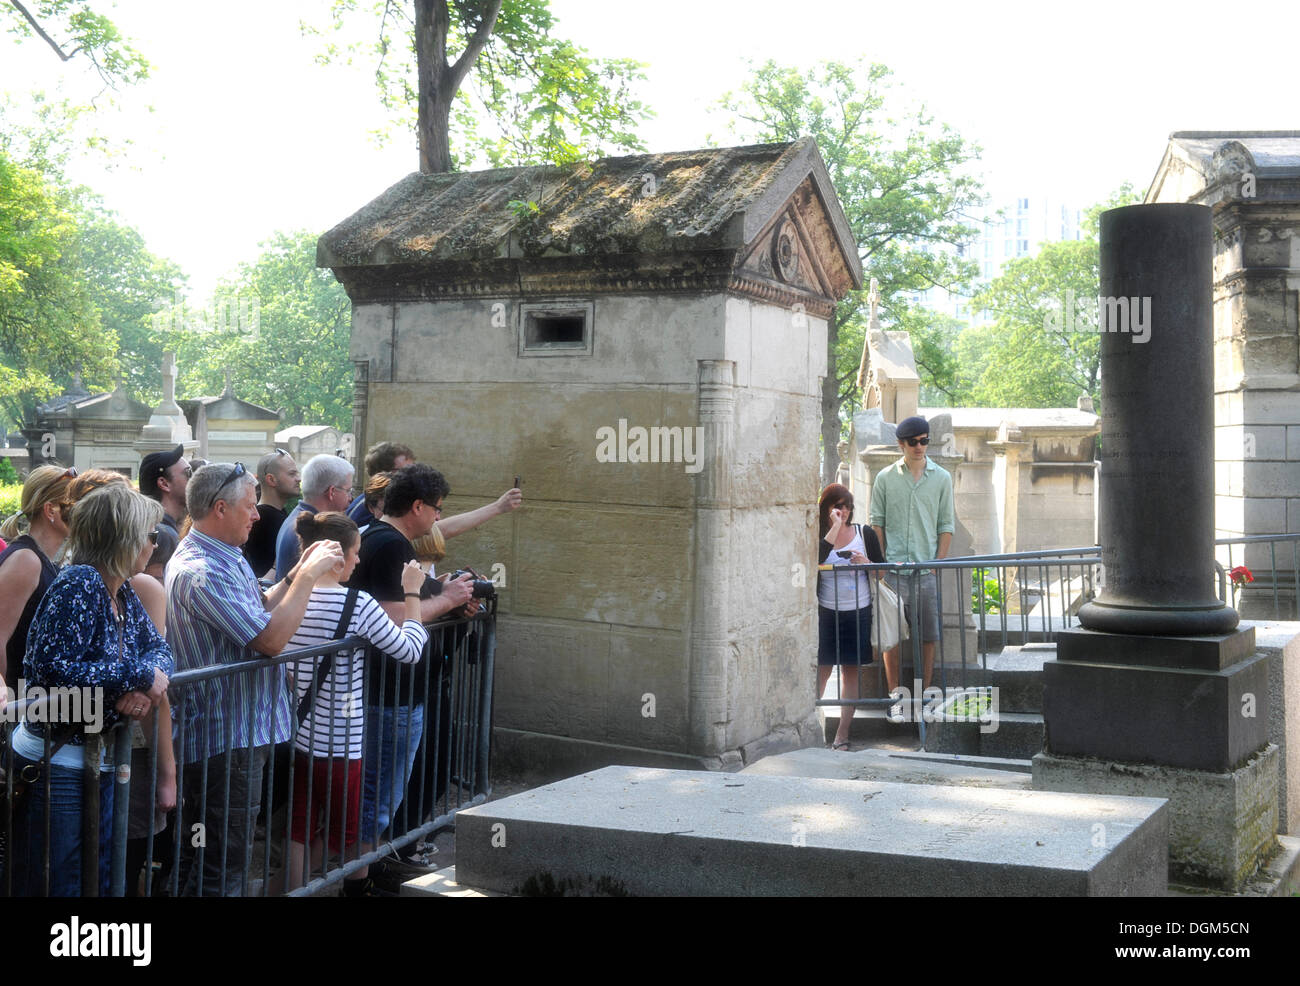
<point x="843" y="599"/>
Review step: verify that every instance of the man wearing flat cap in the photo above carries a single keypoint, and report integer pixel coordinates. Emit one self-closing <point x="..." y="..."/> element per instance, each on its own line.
<point x="912" y="515"/>
<point x="163" y="477"/>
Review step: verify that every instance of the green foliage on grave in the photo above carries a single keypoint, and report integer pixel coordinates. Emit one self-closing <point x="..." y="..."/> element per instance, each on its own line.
<point x="986" y="593"/>
<point x="907" y="188"/>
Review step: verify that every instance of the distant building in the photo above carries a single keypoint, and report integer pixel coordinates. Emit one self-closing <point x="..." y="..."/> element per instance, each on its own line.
<point x="304" y="441"/>
<point x="1026" y="223"/>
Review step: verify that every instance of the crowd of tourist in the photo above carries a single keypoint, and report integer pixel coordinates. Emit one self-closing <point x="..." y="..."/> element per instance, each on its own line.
<point x="113" y="591"/>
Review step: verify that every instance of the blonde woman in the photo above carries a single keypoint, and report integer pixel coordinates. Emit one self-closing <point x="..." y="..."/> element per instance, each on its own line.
<point x="91" y="631"/>
<point x="27" y="566"/>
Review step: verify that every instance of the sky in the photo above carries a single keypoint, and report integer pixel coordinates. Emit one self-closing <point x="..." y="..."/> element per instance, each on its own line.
<point x="239" y="133"/>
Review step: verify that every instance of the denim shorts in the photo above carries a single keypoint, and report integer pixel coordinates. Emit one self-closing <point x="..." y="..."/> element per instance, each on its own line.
<point x="393" y="738"/>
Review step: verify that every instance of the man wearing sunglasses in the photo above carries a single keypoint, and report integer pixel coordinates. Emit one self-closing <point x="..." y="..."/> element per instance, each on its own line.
<point x="912" y="515"/>
<point x="164" y="477"/>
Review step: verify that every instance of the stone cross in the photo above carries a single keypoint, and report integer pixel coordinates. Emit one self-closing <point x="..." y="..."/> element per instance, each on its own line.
<point x="873" y="299"/>
<point x="169" y="378"/>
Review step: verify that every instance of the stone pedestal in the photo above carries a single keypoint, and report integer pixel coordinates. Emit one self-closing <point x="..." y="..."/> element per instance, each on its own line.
<point x="1156" y="694"/>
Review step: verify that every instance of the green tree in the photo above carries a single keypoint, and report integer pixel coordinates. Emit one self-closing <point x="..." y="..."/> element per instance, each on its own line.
<point x="1029" y="356"/>
<point x="72" y="29"/>
<point x="281" y="328"/>
<point x="49" y="325"/>
<point x="522" y="95"/>
<point x="127" y="284"/>
<point x="902" y="182"/>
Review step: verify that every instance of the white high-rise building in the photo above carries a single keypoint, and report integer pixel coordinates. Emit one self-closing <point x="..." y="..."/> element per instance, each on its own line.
<point x="1023" y="225"/>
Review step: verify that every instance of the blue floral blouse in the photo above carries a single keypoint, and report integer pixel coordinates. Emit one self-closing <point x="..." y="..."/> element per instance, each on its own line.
<point x="74" y="641"/>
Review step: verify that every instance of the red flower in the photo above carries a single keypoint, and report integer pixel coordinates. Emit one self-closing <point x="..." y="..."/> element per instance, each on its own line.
<point x="1241" y="575"/>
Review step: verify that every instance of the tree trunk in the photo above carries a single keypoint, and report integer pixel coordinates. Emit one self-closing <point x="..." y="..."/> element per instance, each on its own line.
<point x="435" y="95"/>
<point x="831" y="404"/>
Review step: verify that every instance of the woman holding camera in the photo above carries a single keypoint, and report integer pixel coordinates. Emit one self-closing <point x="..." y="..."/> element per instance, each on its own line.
<point x="329" y="739"/>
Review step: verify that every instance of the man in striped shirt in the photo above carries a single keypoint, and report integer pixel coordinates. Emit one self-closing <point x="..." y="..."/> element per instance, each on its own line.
<point x="226" y="726"/>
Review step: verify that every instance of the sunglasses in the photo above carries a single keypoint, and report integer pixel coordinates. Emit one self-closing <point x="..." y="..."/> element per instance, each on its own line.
<point x="153" y="537"/>
<point x="914" y="442"/>
<point x="235" y="473"/>
<point x="69" y="473"/>
<point x="280" y="451"/>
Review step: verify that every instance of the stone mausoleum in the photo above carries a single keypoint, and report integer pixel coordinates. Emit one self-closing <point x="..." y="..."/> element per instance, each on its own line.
<point x="1251" y="181"/>
<point x="641" y="340"/>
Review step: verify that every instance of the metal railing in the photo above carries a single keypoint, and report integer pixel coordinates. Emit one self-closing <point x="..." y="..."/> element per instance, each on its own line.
<point x="439" y="765"/>
<point x="983" y="602"/>
<point x="1275" y="591"/>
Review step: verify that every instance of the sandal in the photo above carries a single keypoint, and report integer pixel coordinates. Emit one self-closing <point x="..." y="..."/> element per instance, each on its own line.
<point x="840" y="746"/>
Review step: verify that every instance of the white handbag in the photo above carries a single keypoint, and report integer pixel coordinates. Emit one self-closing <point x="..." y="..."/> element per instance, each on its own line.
<point x="888" y="629"/>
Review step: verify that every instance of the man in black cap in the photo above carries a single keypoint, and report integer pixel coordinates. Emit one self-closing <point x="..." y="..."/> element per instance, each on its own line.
<point x="912" y="515"/>
<point x="163" y="477"/>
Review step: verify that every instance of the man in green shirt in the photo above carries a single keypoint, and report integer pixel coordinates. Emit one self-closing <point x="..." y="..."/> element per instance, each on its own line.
<point x="912" y="515"/>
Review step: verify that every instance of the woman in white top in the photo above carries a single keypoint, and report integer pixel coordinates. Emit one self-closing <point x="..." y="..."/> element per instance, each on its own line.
<point x="329" y="739"/>
<point x="843" y="599"/>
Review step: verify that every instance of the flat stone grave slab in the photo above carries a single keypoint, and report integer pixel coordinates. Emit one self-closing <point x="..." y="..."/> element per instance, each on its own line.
<point x="653" y="832"/>
<point x="893" y="767"/>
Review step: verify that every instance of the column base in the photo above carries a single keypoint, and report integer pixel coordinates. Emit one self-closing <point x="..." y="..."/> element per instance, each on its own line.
<point x="1222" y="826"/>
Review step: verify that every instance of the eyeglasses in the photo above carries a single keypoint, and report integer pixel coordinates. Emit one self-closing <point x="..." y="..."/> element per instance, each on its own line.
<point x="914" y="442"/>
<point x="235" y="473"/>
<point x="153" y="537"/>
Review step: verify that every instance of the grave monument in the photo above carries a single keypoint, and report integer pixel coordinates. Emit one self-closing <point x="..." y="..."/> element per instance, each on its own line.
<point x="1158" y="693"/>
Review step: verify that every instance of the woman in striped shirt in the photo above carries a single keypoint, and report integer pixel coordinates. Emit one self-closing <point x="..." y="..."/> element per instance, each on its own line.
<point x="328" y="743"/>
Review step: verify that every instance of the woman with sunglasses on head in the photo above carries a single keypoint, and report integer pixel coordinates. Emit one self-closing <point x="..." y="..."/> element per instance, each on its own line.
<point x="27" y="565"/>
<point x="90" y="632"/>
<point x="843" y="600"/>
<point x="140" y="822"/>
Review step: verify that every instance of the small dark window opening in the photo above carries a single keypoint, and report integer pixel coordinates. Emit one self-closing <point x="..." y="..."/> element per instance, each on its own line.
<point x="555" y="330"/>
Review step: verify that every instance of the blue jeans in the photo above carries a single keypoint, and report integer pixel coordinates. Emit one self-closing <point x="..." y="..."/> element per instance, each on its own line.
<point x="65" y="833"/>
<point x="392" y="740"/>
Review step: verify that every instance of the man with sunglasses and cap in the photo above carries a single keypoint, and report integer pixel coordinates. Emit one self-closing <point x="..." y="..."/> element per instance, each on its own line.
<point x="163" y="477"/>
<point x="912" y="515"/>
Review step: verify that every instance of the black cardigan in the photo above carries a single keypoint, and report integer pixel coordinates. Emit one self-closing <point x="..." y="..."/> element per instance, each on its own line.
<point x="868" y="538"/>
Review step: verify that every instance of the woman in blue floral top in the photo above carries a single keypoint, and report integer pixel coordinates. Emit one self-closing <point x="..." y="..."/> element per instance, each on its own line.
<point x="90" y="635"/>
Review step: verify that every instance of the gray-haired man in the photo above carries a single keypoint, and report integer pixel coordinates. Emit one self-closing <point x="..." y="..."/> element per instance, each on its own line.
<point x="226" y="726"/>
<point x="326" y="485"/>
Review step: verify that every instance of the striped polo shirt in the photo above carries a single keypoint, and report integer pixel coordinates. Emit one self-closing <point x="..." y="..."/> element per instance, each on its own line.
<point x="214" y="609"/>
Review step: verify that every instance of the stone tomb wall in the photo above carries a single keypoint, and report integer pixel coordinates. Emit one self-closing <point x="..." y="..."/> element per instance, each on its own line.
<point x="599" y="620"/>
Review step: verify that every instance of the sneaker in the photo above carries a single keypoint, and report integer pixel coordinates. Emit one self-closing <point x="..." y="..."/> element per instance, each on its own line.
<point x="367" y="888"/>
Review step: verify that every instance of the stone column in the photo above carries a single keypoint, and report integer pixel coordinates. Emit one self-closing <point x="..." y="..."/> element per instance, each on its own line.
<point x="710" y="643"/>
<point x="1157" y="695"/>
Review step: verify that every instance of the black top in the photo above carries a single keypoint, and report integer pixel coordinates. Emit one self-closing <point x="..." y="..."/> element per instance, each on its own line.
<point x="168" y="537"/>
<point x="17" y="645"/>
<point x="869" y="539"/>
<point x="259" y="549"/>
<point x="384" y="550"/>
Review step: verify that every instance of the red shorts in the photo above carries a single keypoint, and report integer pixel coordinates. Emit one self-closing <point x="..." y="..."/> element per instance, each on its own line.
<point x="329" y="776"/>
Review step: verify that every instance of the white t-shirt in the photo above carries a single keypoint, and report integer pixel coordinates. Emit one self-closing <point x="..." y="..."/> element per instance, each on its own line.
<point x="844" y="590"/>
<point x="333" y="727"/>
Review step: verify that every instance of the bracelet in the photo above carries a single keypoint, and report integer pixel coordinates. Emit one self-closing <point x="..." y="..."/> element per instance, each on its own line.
<point x="288" y="580"/>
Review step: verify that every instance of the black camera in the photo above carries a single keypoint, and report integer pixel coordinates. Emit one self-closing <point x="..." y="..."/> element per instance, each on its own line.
<point x="483" y="588"/>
